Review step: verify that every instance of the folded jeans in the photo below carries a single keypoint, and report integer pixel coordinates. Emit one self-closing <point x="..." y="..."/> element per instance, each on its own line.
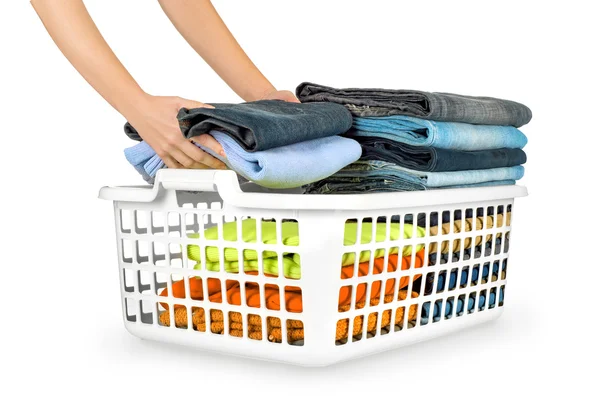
<point x="263" y="124"/>
<point x="432" y="159"/>
<point x="433" y="106"/>
<point x="442" y="135"/>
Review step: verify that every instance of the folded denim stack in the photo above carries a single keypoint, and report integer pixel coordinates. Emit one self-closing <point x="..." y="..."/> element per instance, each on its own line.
<point x="414" y="140"/>
<point x="273" y="143"/>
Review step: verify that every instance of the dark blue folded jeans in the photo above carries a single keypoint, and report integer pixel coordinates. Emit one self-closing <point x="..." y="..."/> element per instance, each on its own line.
<point x="434" y="106"/>
<point x="263" y="124"/>
<point x="432" y="159"/>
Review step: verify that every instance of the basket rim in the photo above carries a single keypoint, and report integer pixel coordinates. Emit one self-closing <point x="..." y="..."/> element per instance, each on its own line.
<point x="226" y="184"/>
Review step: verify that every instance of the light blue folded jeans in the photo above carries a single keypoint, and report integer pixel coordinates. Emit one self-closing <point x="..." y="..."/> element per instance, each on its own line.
<point x="374" y="169"/>
<point x="443" y="135"/>
<point x="283" y="167"/>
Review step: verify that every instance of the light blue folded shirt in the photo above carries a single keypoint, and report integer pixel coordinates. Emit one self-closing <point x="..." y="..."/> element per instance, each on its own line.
<point x="443" y="135"/>
<point x="284" y="167"/>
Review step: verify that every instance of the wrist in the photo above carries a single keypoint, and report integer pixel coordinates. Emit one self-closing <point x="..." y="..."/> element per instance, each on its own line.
<point x="132" y="104"/>
<point x="259" y="93"/>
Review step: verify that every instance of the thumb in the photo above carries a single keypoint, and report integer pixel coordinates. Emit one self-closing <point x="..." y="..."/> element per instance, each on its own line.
<point x="193" y="104"/>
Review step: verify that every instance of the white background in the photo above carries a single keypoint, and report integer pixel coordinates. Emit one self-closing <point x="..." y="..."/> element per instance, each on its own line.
<point x="61" y="325"/>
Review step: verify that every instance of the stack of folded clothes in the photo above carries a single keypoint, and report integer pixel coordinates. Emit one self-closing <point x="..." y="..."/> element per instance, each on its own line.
<point x="273" y="143"/>
<point x="414" y="140"/>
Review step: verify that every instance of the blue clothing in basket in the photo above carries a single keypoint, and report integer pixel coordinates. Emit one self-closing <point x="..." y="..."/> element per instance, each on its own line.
<point x="460" y="306"/>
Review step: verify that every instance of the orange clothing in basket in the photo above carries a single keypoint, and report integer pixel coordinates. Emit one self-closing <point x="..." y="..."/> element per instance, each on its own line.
<point x="293" y="294"/>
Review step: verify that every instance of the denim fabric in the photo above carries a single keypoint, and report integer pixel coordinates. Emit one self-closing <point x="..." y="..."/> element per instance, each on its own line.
<point x="358" y="186"/>
<point x="384" y="170"/>
<point x="380" y="176"/>
<point x="460" y="178"/>
<point x="433" y="106"/>
<point x="263" y="124"/>
<point x="289" y="166"/>
<point x="460" y="306"/>
<point x="464" y="276"/>
<point x="442" y="135"/>
<point x="432" y="159"/>
<point x="285" y="167"/>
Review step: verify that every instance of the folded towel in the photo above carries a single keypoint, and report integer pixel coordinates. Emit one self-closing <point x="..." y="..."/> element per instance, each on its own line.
<point x="263" y="124"/>
<point x="433" y="106"/>
<point x="443" y="135"/>
<point x="289" y="166"/>
<point x="433" y="159"/>
<point x="141" y="156"/>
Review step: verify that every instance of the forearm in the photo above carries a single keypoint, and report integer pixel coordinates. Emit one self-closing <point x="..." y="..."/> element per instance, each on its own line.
<point x="78" y="38"/>
<point x="202" y="27"/>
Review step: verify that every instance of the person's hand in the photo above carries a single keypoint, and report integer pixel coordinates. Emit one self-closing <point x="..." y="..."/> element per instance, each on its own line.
<point x="155" y="119"/>
<point x="284" y="95"/>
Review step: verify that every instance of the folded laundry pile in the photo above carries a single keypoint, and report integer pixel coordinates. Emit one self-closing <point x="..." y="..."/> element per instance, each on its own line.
<point x="414" y="140"/>
<point x="273" y="143"/>
<point x="392" y="140"/>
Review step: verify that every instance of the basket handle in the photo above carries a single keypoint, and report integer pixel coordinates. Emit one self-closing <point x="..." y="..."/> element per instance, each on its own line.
<point x="176" y="179"/>
<point x="188" y="179"/>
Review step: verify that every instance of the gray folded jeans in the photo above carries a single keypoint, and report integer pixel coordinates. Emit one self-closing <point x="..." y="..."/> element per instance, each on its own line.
<point x="263" y="124"/>
<point x="434" y="106"/>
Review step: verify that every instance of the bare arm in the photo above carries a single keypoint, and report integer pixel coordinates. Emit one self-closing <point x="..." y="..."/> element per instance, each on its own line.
<point x="202" y="27"/>
<point x="76" y="35"/>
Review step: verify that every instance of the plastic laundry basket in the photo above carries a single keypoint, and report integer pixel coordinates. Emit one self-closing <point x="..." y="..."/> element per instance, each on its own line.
<point x="306" y="279"/>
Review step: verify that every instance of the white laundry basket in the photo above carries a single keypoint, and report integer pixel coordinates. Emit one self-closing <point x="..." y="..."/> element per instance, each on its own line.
<point x="351" y="304"/>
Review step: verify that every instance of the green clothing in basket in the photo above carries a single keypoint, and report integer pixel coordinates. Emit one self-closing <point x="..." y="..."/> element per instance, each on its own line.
<point x="290" y="237"/>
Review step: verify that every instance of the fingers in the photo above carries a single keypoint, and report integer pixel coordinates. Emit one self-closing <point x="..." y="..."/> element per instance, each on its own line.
<point x="202" y="157"/>
<point x="284" y="95"/>
<point x="184" y="160"/>
<point x="194" y="104"/>
<point x="290" y="97"/>
<point x="170" y="162"/>
<point x="178" y="152"/>
<point x="210" y="143"/>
